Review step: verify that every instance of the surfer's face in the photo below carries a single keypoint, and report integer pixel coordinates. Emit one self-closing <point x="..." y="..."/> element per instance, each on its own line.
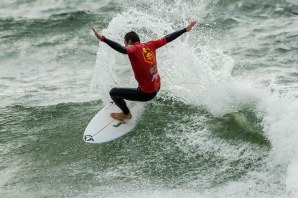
<point x="127" y="43"/>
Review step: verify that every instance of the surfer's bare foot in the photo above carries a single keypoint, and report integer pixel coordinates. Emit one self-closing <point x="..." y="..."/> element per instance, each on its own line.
<point x="121" y="116"/>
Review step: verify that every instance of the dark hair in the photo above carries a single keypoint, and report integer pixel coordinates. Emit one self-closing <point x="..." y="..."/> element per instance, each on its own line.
<point x="134" y="37"/>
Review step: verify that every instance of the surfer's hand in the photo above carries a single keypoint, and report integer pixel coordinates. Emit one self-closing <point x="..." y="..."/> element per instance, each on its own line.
<point x="189" y="27"/>
<point x="99" y="36"/>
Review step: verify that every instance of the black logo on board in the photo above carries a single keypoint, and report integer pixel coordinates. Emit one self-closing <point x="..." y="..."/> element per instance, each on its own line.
<point x="88" y="138"/>
<point x="119" y="123"/>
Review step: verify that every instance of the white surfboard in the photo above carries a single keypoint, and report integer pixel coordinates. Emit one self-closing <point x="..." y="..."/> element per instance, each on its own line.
<point x="103" y="128"/>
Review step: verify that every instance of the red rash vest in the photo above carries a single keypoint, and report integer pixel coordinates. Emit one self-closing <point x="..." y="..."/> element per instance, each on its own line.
<point x="142" y="57"/>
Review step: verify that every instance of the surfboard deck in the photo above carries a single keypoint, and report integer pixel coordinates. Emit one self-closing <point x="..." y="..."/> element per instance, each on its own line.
<point x="103" y="128"/>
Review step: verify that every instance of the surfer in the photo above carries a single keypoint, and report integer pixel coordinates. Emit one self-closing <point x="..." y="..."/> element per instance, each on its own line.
<point x="142" y="57"/>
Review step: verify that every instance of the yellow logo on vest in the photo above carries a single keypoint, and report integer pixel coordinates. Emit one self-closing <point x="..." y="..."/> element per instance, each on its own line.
<point x="148" y="55"/>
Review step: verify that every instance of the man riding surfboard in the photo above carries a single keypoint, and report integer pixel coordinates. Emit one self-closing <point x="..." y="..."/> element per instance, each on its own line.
<point x="142" y="57"/>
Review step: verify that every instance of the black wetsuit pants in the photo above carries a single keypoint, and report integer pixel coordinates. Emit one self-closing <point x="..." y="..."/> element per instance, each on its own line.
<point x="118" y="95"/>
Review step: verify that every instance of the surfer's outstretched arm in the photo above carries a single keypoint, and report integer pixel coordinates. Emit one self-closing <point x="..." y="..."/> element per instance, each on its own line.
<point x="174" y="35"/>
<point x="116" y="46"/>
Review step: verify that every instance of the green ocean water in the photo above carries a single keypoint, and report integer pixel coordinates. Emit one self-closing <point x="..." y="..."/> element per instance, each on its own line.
<point x="223" y="125"/>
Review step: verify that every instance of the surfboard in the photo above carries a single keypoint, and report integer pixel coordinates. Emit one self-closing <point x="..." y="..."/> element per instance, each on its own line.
<point x="103" y="128"/>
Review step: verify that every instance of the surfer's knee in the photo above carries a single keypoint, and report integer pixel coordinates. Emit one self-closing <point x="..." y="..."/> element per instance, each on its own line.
<point x="113" y="91"/>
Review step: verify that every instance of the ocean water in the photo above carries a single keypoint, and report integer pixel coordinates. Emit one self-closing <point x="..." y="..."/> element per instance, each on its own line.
<point x="223" y="125"/>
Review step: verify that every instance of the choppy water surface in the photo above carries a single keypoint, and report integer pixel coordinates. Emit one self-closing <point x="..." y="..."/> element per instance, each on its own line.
<point x="223" y="125"/>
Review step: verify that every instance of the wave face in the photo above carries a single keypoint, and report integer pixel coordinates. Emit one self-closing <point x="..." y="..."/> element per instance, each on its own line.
<point x="223" y="125"/>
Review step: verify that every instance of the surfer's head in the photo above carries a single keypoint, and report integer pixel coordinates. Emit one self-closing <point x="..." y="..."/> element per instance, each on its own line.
<point x="131" y="38"/>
